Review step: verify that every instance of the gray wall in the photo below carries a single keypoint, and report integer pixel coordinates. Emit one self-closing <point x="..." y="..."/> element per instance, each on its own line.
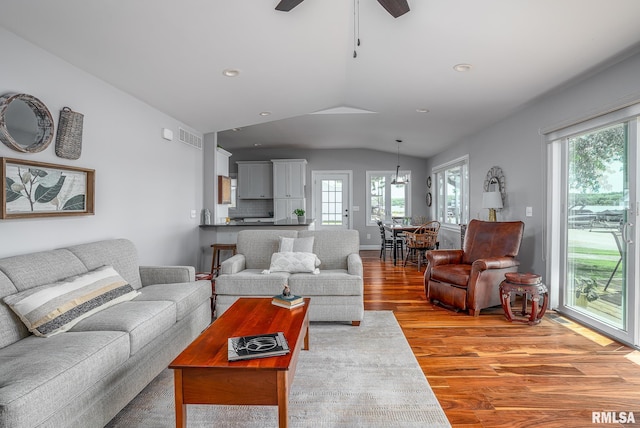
<point x="146" y="187"/>
<point x="358" y="161"/>
<point x="516" y="145"/>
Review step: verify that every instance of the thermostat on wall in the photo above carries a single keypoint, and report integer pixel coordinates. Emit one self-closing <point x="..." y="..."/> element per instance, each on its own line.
<point x="167" y="134"/>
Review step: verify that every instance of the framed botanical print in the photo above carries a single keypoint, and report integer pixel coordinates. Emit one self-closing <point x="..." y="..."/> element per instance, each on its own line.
<point x="38" y="189"/>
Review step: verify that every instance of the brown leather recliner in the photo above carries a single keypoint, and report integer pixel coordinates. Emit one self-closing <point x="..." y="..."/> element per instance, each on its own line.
<point x="470" y="278"/>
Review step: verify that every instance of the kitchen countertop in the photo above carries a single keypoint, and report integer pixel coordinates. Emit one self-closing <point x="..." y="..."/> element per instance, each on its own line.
<point x="285" y="222"/>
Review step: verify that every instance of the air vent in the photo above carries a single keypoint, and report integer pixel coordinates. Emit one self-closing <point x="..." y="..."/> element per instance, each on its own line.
<point x="190" y="138"/>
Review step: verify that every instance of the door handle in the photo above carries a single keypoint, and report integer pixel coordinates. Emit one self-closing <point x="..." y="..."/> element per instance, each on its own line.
<point x="625" y="230"/>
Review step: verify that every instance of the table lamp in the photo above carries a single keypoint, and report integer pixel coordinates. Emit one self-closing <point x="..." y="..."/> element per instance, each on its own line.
<point x="492" y="201"/>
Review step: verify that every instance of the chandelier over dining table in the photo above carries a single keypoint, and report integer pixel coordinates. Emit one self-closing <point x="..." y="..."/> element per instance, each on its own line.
<point x="399" y="179"/>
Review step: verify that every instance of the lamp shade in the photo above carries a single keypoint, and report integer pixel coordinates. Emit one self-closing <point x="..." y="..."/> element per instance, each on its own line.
<point x="492" y="200"/>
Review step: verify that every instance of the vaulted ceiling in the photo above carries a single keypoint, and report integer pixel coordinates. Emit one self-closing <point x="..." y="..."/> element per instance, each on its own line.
<point x="171" y="54"/>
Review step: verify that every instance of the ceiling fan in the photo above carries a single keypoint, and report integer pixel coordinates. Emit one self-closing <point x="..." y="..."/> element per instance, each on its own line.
<point x="395" y="7"/>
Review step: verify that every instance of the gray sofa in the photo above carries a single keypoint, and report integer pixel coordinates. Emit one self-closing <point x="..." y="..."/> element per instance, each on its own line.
<point x="83" y="377"/>
<point x="336" y="292"/>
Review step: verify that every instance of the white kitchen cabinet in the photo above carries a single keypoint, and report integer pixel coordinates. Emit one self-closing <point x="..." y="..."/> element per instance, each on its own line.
<point x="283" y="208"/>
<point x="289" y="176"/>
<point x="255" y="180"/>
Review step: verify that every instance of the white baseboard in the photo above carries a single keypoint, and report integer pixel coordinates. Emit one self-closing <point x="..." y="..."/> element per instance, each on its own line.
<point x="370" y="247"/>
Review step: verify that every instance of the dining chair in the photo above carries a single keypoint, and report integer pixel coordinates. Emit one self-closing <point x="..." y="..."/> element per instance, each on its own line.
<point x="424" y="238"/>
<point x="386" y="241"/>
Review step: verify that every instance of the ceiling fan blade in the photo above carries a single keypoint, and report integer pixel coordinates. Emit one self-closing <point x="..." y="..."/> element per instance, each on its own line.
<point x="395" y="7"/>
<point x="287" y="5"/>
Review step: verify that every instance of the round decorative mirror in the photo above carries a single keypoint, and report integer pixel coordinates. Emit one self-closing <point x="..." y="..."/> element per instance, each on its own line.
<point x="26" y="125"/>
<point x="495" y="182"/>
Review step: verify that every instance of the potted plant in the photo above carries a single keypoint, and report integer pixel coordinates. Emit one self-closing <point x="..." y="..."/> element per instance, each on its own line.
<point x="586" y="291"/>
<point x="300" y="213"/>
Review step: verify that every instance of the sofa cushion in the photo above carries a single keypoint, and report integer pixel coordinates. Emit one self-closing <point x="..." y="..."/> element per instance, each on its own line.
<point x="54" y="308"/>
<point x="327" y="283"/>
<point x="452" y="274"/>
<point x="333" y="246"/>
<point x="293" y="262"/>
<point x="252" y="282"/>
<point x="303" y="245"/>
<point x="144" y="321"/>
<point x="258" y="245"/>
<point x="40" y="376"/>
<point x="186" y="296"/>
<point x="31" y="270"/>
<point x="119" y="253"/>
<point x="12" y="328"/>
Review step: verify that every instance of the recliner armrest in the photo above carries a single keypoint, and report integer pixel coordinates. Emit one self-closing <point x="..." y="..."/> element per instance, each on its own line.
<point x="233" y="264"/>
<point x="444" y="257"/>
<point x="354" y="265"/>
<point x="494" y="263"/>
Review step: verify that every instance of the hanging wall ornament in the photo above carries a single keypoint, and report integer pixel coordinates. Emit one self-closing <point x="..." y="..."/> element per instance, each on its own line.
<point x="26" y="124"/>
<point x="69" y="136"/>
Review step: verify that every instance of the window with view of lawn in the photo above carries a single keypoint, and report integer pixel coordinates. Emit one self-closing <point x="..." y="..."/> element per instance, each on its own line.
<point x="385" y="199"/>
<point x="593" y="168"/>
<point x="451" y="195"/>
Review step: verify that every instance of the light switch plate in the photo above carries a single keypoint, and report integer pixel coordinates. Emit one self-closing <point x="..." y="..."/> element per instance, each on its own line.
<point x="529" y="212"/>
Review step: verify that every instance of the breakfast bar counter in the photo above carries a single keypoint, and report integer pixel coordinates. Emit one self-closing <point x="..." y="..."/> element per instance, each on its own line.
<point x="227" y="234"/>
<point x="308" y="224"/>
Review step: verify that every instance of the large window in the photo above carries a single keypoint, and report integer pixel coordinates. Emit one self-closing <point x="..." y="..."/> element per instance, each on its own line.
<point x="386" y="200"/>
<point x="592" y="219"/>
<point x="452" y="192"/>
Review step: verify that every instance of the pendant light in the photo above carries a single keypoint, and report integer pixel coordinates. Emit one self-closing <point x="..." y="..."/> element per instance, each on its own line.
<point x="399" y="180"/>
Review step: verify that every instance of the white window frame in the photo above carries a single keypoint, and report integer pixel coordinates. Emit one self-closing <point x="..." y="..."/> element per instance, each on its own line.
<point x="439" y="197"/>
<point x="555" y="229"/>
<point x="390" y="175"/>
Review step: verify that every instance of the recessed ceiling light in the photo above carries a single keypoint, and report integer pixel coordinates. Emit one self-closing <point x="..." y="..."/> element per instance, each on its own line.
<point x="462" y="67"/>
<point x="265" y="113"/>
<point x="230" y="72"/>
<point x="422" y="110"/>
<point x="236" y="129"/>
<point x="257" y="144"/>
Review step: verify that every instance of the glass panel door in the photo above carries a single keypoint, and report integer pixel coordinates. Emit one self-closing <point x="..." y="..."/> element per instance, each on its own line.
<point x="331" y="200"/>
<point x="598" y="283"/>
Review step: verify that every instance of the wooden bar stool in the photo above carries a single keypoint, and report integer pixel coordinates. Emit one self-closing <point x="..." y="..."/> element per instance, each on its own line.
<point x="215" y="259"/>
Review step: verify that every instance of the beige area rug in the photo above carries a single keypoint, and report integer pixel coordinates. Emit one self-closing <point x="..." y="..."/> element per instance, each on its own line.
<point x="363" y="376"/>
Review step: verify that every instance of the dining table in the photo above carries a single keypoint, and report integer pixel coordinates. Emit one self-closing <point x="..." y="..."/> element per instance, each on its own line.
<point x="395" y="230"/>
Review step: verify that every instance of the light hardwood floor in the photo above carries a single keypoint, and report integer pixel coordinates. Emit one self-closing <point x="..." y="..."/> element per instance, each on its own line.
<point x="487" y="372"/>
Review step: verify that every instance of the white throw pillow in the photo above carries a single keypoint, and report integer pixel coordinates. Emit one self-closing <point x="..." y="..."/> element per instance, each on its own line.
<point x="294" y="262"/>
<point x="53" y="308"/>
<point x="299" y="245"/>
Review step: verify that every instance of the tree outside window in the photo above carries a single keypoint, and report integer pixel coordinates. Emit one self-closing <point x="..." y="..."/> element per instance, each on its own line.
<point x="386" y="200"/>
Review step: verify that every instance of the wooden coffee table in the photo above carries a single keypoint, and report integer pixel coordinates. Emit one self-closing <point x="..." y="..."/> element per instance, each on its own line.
<point x="202" y="374"/>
